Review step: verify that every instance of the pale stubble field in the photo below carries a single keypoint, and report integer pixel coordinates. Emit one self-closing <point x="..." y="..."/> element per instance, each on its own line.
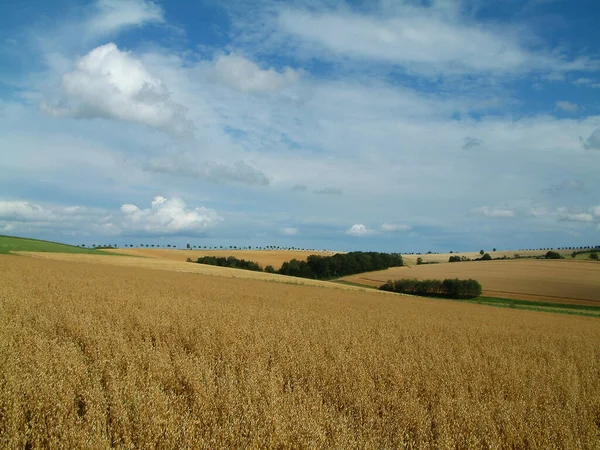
<point x="98" y="356"/>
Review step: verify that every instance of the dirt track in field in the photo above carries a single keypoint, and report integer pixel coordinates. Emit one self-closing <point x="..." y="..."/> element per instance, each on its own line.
<point x="563" y="281"/>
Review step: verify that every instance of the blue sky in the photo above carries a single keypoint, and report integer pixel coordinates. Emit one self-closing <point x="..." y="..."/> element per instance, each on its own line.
<point x="385" y="125"/>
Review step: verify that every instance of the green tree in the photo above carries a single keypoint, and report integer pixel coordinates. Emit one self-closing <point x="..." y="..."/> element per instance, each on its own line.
<point x="486" y="257"/>
<point x="594" y="256"/>
<point x="481" y="252"/>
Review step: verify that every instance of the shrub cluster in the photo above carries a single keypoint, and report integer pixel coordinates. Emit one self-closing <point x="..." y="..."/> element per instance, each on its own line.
<point x="449" y="288"/>
<point x="552" y="255"/>
<point x="230" y="261"/>
<point x="340" y="264"/>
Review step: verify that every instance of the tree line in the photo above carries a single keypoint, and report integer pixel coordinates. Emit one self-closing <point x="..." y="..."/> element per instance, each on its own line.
<point x="316" y="266"/>
<point x="448" y="288"/>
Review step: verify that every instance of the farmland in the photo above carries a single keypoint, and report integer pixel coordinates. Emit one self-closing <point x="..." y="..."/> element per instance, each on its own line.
<point x="10" y="244"/>
<point x="274" y="258"/>
<point x="96" y="355"/>
<point x="560" y="281"/>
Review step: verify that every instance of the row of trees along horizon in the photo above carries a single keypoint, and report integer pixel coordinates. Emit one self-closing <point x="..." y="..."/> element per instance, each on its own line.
<point x="205" y="247"/>
<point x="277" y="247"/>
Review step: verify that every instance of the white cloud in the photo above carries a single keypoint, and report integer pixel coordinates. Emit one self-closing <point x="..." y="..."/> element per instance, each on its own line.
<point x="164" y="217"/>
<point x="592" y="142"/>
<point x="359" y="230"/>
<point x="424" y="40"/>
<point x="578" y="217"/>
<point x="244" y="75"/>
<point x="567" y="106"/>
<point x="23" y="211"/>
<point x="589" y="82"/>
<point x="289" y="231"/>
<point x="595" y="210"/>
<point x="112" y="15"/>
<point x="395" y="227"/>
<point x="109" y="83"/>
<point x="497" y="213"/>
<point x="167" y="217"/>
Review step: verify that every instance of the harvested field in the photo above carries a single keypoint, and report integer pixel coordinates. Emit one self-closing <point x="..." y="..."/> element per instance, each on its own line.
<point x="97" y="356"/>
<point x="274" y="258"/>
<point x="561" y="281"/>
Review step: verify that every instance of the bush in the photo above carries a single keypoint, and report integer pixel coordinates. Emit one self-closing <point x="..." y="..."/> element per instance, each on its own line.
<point x="419" y="261"/>
<point x="486" y="257"/>
<point x="552" y="255"/>
<point x="230" y="261"/>
<point x="270" y="269"/>
<point x="594" y="256"/>
<point x="455" y="259"/>
<point x="449" y="288"/>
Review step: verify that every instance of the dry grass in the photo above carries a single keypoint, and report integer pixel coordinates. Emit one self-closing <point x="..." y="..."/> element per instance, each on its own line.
<point x="274" y="258"/>
<point x="562" y="281"/>
<point x="98" y="356"/>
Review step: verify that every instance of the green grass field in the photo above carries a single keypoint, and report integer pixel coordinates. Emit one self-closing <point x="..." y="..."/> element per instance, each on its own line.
<point x="16" y="244"/>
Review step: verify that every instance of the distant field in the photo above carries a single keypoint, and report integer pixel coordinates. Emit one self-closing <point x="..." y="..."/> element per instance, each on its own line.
<point x="443" y="257"/>
<point x="13" y="244"/>
<point x="274" y="258"/>
<point x="102" y="356"/>
<point x="569" y="281"/>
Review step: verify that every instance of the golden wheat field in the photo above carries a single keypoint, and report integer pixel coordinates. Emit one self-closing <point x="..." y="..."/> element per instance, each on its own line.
<point x="101" y="356"/>
<point x="166" y="264"/>
<point x="274" y="258"/>
<point x="562" y="281"/>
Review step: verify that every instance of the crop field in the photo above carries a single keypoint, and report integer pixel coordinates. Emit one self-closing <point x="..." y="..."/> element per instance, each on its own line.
<point x="562" y="281"/>
<point x="443" y="257"/>
<point x="274" y="258"/>
<point x="94" y="355"/>
<point x="170" y="265"/>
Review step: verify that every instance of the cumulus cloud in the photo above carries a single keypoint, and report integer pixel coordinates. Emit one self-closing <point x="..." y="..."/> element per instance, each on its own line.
<point x="289" y="231"/>
<point x="592" y="142"/>
<point x="112" y="15"/>
<point x="592" y="215"/>
<point x="359" y="230"/>
<point x="471" y="142"/>
<point x="328" y="191"/>
<point x="239" y="172"/>
<point x="244" y="75"/>
<point x="167" y="217"/>
<point x="497" y="213"/>
<point x="164" y="217"/>
<point x="395" y="227"/>
<point x="567" y="106"/>
<point x="112" y="84"/>
<point x="23" y="211"/>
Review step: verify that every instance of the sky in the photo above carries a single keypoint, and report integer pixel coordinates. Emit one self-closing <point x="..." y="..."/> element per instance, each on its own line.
<point x="399" y="126"/>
